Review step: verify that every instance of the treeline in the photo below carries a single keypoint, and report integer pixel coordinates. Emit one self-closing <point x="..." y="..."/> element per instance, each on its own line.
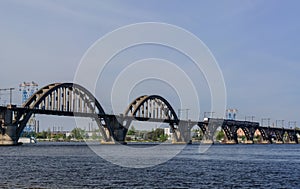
<point x="78" y="134"/>
<point x="156" y="135"/>
<point x="75" y="134"/>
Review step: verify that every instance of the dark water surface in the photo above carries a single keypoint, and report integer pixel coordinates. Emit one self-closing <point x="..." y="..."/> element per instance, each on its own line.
<point x="74" y="165"/>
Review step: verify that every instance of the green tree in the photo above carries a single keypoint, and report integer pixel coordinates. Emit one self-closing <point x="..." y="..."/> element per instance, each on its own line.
<point x="131" y="131"/>
<point x="59" y="136"/>
<point x="157" y="135"/>
<point x="243" y="138"/>
<point x="220" y="135"/>
<point x="78" y="133"/>
<point x="149" y="135"/>
<point x="94" y="135"/>
<point x="69" y="138"/>
<point x="42" y="135"/>
<point x="163" y="138"/>
<point x="198" y="134"/>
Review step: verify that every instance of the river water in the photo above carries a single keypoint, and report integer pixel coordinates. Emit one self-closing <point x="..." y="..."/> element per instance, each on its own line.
<point x="75" y="165"/>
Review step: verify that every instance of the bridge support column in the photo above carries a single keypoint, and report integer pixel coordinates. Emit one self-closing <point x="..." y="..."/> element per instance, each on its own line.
<point x="8" y="134"/>
<point x="265" y="136"/>
<point x="296" y="139"/>
<point x="279" y="135"/>
<point x="117" y="133"/>
<point x="292" y="137"/>
<point x="107" y="139"/>
<point x="181" y="133"/>
<point x="9" y="137"/>
<point x="120" y="134"/>
<point x="210" y="130"/>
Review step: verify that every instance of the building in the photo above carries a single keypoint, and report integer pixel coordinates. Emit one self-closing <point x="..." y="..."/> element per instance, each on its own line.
<point x="168" y="132"/>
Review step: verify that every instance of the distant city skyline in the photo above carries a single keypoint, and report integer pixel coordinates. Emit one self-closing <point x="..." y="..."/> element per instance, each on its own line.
<point x="256" y="44"/>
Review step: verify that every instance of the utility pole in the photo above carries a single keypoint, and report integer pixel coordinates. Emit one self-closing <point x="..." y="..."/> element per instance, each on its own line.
<point x="212" y="114"/>
<point x="265" y="119"/>
<point x="187" y="114"/>
<point x="282" y="123"/>
<point x="180" y="111"/>
<point x="251" y="118"/>
<point x="10" y="93"/>
<point x="292" y="123"/>
<point x="206" y="114"/>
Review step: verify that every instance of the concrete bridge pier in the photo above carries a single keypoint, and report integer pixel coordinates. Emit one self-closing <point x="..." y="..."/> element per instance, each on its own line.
<point x="249" y="133"/>
<point x="296" y="139"/>
<point x="265" y="136"/>
<point x="210" y="128"/>
<point x="9" y="137"/>
<point x="181" y="133"/>
<point x="107" y="138"/>
<point x="292" y="137"/>
<point x="8" y="131"/>
<point x="117" y="133"/>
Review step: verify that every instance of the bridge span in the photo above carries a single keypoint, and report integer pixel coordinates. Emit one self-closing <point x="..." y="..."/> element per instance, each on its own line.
<point x="69" y="99"/>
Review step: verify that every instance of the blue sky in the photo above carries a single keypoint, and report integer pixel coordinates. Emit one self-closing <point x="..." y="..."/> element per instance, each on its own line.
<point x="256" y="43"/>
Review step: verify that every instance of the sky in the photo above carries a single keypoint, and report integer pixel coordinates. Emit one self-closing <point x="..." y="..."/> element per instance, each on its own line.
<point x="255" y="43"/>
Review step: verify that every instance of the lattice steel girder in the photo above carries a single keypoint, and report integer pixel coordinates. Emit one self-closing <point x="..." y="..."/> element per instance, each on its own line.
<point x="154" y="106"/>
<point x="43" y="100"/>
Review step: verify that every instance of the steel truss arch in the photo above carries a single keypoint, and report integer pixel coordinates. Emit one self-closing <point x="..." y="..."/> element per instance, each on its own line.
<point x="151" y="107"/>
<point x="62" y="99"/>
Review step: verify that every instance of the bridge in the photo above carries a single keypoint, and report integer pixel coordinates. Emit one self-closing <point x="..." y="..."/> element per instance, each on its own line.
<point x="70" y="99"/>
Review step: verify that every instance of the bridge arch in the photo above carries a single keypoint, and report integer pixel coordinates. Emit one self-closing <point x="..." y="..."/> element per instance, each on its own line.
<point x="61" y="97"/>
<point x="157" y="109"/>
<point x="67" y="99"/>
<point x="197" y="131"/>
<point x="259" y="135"/>
<point x="151" y="107"/>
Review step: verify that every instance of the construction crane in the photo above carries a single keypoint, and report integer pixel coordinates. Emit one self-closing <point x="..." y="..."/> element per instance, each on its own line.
<point x="10" y="93"/>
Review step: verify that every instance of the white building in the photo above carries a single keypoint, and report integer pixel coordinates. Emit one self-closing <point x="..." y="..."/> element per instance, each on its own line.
<point x="168" y="131"/>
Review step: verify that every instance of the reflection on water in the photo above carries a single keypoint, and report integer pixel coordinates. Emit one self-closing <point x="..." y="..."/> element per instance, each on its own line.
<point x="75" y="165"/>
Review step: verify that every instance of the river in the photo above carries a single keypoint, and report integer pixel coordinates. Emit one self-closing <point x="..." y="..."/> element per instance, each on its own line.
<point x="75" y="165"/>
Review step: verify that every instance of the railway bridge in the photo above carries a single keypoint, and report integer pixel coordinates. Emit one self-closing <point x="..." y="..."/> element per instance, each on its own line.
<point x="70" y="99"/>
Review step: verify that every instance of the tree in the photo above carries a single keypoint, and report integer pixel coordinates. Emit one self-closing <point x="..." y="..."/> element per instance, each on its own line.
<point x="163" y="138"/>
<point x="198" y="134"/>
<point x="78" y="133"/>
<point x="243" y="138"/>
<point x="131" y="131"/>
<point x="220" y="135"/>
<point x="42" y="135"/>
<point x="157" y="135"/>
<point x="59" y="136"/>
<point x="94" y="135"/>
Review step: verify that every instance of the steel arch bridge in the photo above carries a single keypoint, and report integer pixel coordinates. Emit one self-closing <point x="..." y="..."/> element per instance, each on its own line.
<point x="155" y="108"/>
<point x="268" y="134"/>
<point x="62" y="99"/>
<point x="70" y="99"/>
